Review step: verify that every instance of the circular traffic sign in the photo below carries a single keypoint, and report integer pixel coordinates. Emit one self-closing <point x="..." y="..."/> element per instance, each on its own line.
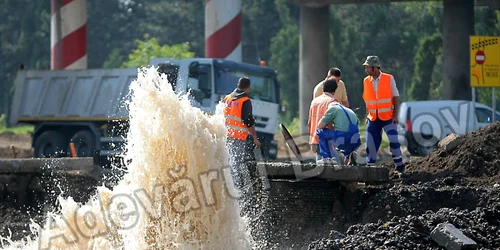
<point x="480" y="57"/>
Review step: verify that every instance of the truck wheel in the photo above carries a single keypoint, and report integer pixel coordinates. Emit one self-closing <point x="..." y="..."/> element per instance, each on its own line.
<point x="50" y="144"/>
<point x="84" y="141"/>
<point x="413" y="151"/>
<point x="425" y="150"/>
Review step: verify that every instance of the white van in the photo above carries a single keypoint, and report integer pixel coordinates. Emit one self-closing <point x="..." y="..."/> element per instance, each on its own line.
<point x="422" y="124"/>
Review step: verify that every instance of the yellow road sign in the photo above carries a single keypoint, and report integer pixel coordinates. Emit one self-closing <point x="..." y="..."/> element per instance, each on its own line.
<point x="485" y="61"/>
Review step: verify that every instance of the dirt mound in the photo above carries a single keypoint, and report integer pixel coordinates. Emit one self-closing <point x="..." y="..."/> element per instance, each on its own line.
<point x="412" y="232"/>
<point x="453" y="185"/>
<point x="476" y="156"/>
<point x="404" y="216"/>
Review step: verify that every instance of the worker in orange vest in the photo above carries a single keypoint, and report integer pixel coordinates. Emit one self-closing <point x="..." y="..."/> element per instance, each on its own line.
<point x="317" y="110"/>
<point x="344" y="137"/>
<point x="239" y="122"/>
<point x="382" y="103"/>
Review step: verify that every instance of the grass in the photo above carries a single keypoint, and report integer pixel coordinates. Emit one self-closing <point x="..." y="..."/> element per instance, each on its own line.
<point x="362" y="131"/>
<point x="18" y="130"/>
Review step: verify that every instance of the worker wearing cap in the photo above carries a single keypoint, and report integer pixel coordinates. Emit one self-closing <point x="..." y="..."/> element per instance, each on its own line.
<point x="239" y="122"/>
<point x="382" y="103"/>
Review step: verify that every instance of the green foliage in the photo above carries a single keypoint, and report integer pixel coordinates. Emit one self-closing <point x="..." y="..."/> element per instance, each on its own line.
<point x="393" y="31"/>
<point x="425" y="61"/>
<point x="15" y="130"/>
<point x="257" y="39"/>
<point x="114" y="60"/>
<point x="149" y="48"/>
<point x="293" y="126"/>
<point x="173" y="22"/>
<point x="286" y="60"/>
<point x="3" y="124"/>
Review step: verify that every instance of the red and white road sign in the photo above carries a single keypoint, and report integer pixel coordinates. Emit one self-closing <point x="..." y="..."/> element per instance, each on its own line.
<point x="480" y="57"/>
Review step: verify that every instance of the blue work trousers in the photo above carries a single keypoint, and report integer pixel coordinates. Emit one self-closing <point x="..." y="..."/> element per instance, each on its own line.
<point x="374" y="138"/>
<point x="344" y="142"/>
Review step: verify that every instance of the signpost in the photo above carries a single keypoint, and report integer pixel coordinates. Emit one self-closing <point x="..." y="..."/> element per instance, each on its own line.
<point x="485" y="66"/>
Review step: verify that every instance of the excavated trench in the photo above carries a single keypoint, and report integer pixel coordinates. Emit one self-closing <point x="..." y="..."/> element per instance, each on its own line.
<point x="459" y="185"/>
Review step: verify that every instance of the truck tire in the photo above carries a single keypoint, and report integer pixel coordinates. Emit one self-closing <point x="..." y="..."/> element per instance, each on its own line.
<point x="413" y="151"/>
<point x="425" y="150"/>
<point x="50" y="144"/>
<point x="85" y="143"/>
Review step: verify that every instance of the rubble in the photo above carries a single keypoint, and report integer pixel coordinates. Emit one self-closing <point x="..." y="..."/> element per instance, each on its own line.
<point x="447" y="235"/>
<point x="455" y="185"/>
<point x="450" y="142"/>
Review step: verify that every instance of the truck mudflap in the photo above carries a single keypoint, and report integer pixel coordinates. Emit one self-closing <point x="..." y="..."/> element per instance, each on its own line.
<point x="110" y="153"/>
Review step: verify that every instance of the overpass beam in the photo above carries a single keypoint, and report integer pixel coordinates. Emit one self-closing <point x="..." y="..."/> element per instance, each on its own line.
<point x="458" y="25"/>
<point x="314" y="50"/>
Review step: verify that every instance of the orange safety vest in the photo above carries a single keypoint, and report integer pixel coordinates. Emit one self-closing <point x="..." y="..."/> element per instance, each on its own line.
<point x="232" y="112"/>
<point x="379" y="104"/>
<point x="318" y="108"/>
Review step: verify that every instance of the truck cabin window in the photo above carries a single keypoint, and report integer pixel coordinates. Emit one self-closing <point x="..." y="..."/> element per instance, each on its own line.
<point x="262" y="86"/>
<point x="172" y="71"/>
<point x="200" y="83"/>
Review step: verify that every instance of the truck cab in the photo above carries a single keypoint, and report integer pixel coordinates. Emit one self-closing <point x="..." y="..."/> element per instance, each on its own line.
<point x="208" y="81"/>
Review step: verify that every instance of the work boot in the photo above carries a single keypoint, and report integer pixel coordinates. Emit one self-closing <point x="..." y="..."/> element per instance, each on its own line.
<point x="400" y="170"/>
<point x="326" y="161"/>
<point x="352" y="158"/>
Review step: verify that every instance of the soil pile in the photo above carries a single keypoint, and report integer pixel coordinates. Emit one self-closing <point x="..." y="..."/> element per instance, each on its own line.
<point x="413" y="231"/>
<point x="404" y="216"/>
<point x="458" y="186"/>
<point x="476" y="156"/>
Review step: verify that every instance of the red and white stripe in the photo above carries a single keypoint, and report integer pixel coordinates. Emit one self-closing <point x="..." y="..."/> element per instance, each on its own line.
<point x="68" y="39"/>
<point x="223" y="29"/>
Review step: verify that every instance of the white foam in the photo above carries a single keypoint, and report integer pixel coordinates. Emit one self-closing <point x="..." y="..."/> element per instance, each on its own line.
<point x="177" y="153"/>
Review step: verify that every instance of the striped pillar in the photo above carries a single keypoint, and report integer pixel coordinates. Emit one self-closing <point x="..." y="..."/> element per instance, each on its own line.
<point x="223" y="29"/>
<point x="68" y="39"/>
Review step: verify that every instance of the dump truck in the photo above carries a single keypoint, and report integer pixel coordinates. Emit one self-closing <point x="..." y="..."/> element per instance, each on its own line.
<point x="87" y="107"/>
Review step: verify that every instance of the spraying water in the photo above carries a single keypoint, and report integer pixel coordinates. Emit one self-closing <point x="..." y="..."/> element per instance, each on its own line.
<point x="177" y="193"/>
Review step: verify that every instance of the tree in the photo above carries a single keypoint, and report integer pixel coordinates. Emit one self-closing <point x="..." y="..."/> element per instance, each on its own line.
<point x="149" y="48"/>
<point x="285" y="59"/>
<point x="425" y="61"/>
<point x="112" y="27"/>
<point x="175" y="22"/>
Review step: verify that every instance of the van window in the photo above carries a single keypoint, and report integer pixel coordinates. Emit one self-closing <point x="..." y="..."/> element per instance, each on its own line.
<point x="484" y="116"/>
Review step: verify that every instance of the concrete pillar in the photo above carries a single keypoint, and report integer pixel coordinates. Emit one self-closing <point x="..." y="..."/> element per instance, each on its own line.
<point x="313" y="54"/>
<point x="68" y="39"/>
<point x="223" y="24"/>
<point x="458" y="25"/>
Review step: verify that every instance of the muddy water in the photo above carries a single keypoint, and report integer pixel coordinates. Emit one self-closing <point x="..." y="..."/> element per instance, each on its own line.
<point x="173" y="196"/>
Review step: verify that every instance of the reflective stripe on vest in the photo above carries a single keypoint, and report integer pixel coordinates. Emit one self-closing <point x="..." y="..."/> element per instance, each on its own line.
<point x="236" y="128"/>
<point x="379" y="104"/>
<point x="319" y="106"/>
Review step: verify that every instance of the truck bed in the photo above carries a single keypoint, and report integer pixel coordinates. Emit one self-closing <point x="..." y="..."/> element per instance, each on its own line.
<point x="71" y="95"/>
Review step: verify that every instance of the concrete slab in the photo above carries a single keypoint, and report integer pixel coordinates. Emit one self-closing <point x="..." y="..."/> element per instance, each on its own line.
<point x="283" y="170"/>
<point x="34" y="165"/>
<point x="450" y="142"/>
<point x="448" y="236"/>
